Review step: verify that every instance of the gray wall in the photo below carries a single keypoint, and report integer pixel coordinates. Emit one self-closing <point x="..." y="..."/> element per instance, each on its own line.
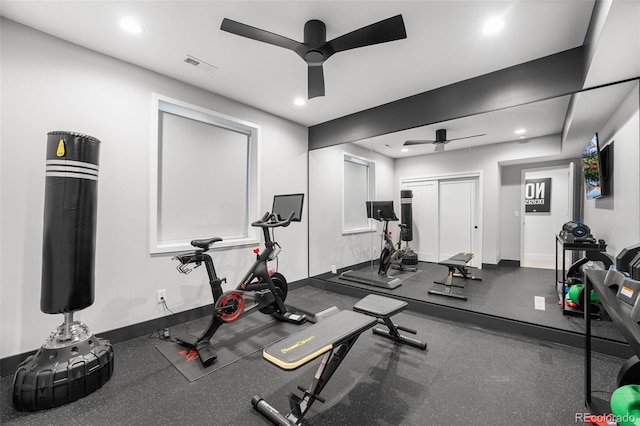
<point x="49" y="84"/>
<point x="511" y="190"/>
<point x="328" y="246"/>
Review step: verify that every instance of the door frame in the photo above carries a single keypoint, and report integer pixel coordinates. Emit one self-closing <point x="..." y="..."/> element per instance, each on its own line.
<point x="474" y="174"/>
<point x="571" y="166"/>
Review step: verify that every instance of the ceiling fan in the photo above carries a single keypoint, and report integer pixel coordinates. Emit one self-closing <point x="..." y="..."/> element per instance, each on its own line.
<point x="315" y="49"/>
<point x="440" y="141"/>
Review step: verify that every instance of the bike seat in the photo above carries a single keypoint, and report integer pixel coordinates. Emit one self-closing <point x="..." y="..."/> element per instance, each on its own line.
<point x="206" y="243"/>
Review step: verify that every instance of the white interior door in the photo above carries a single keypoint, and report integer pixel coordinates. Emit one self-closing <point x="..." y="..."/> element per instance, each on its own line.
<point x="425" y="219"/>
<point x="539" y="229"/>
<point x="458" y="217"/>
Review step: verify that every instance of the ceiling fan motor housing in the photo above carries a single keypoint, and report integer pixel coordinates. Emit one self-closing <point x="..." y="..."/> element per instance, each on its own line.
<point x="315" y="39"/>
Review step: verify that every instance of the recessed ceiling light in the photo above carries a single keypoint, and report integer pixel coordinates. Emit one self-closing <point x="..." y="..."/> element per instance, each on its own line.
<point x="299" y="101"/>
<point x="404" y="150"/>
<point x="493" y="25"/>
<point x="130" y="25"/>
<point x="520" y="131"/>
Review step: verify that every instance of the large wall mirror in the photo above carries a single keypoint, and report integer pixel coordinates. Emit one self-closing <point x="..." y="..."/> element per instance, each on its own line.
<point x="467" y="194"/>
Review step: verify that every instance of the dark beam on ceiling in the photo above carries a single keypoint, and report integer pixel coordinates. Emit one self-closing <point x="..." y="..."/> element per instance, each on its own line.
<point x="544" y="78"/>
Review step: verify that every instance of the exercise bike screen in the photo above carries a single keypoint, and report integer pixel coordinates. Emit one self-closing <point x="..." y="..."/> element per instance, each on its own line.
<point x="380" y="210"/>
<point x="283" y="205"/>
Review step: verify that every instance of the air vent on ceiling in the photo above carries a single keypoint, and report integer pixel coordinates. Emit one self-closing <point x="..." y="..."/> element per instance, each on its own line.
<point x="198" y="63"/>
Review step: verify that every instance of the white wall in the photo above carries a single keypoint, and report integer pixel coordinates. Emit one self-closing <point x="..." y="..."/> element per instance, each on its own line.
<point x="483" y="159"/>
<point x="49" y="84"/>
<point x="327" y="244"/>
<point x="615" y="218"/>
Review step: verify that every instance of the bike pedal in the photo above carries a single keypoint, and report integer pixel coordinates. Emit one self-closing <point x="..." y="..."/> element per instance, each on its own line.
<point x="293" y="317"/>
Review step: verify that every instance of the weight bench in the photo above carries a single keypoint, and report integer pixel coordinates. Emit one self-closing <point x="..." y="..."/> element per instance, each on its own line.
<point x="383" y="308"/>
<point x="458" y="267"/>
<point x="332" y="337"/>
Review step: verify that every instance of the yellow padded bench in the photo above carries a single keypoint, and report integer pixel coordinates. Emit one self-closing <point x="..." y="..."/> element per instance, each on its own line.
<point x="332" y="338"/>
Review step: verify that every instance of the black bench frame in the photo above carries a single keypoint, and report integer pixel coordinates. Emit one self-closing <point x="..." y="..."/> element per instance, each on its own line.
<point x="383" y="308"/>
<point x="458" y="268"/>
<point x="331" y="360"/>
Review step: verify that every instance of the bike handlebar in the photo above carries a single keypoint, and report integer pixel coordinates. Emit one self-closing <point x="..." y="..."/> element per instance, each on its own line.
<point x="270" y="220"/>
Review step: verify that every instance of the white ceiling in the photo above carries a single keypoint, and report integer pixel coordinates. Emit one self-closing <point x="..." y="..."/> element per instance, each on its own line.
<point x="444" y="44"/>
<point x="537" y="119"/>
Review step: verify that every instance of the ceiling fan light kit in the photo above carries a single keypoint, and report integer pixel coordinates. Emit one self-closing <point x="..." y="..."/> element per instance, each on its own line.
<point x="315" y="49"/>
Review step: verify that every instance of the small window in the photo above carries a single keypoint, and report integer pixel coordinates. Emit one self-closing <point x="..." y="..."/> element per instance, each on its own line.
<point x="203" y="177"/>
<point x="358" y="186"/>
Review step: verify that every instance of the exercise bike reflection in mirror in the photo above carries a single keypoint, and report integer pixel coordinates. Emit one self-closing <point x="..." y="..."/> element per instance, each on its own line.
<point x="258" y="290"/>
<point x="390" y="255"/>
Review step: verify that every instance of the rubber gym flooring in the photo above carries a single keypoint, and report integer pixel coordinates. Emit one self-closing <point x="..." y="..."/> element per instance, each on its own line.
<point x="467" y="376"/>
<point x="506" y="292"/>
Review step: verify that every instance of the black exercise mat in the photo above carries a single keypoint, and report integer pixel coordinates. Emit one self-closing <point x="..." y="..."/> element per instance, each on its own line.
<point x="231" y="342"/>
<point x="394" y="273"/>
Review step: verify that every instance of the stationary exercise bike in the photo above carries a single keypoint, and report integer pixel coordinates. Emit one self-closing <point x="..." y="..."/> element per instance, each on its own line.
<point x="383" y="212"/>
<point x="392" y="255"/>
<point x="258" y="290"/>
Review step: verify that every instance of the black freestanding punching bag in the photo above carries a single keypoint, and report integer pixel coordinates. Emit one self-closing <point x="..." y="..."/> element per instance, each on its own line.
<point x="406" y="214"/>
<point x="70" y="212"/>
<point x="72" y="363"/>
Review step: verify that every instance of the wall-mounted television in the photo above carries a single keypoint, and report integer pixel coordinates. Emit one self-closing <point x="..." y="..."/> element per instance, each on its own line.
<point x="606" y="167"/>
<point x="591" y="169"/>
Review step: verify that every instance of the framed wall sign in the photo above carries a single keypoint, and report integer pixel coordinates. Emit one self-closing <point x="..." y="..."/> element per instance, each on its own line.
<point x="537" y="195"/>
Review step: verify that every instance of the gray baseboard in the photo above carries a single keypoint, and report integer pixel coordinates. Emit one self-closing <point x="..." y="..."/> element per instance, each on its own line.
<point x="9" y="365"/>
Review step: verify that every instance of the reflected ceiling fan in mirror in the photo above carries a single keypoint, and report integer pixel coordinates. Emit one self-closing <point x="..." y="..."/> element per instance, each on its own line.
<point x="440" y="141"/>
<point x="315" y="49"/>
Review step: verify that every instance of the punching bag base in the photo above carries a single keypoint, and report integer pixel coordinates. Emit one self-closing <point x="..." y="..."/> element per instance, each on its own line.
<point x="410" y="258"/>
<point x="59" y="374"/>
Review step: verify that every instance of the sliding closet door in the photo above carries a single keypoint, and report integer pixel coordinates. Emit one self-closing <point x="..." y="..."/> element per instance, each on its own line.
<point x="445" y="218"/>
<point x="425" y="219"/>
<point x="457" y="218"/>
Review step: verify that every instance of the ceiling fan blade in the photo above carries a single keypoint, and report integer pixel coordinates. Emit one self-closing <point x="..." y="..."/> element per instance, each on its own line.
<point x="464" y="137"/>
<point x="315" y="81"/>
<point x="389" y="29"/>
<point x="417" y="142"/>
<point x="254" y="33"/>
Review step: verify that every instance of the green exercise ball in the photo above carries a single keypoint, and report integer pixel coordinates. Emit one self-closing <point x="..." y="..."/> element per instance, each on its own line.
<point x="575" y="294"/>
<point x="625" y="405"/>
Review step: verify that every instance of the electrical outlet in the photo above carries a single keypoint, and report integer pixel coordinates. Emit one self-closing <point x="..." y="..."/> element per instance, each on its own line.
<point x="161" y="296"/>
